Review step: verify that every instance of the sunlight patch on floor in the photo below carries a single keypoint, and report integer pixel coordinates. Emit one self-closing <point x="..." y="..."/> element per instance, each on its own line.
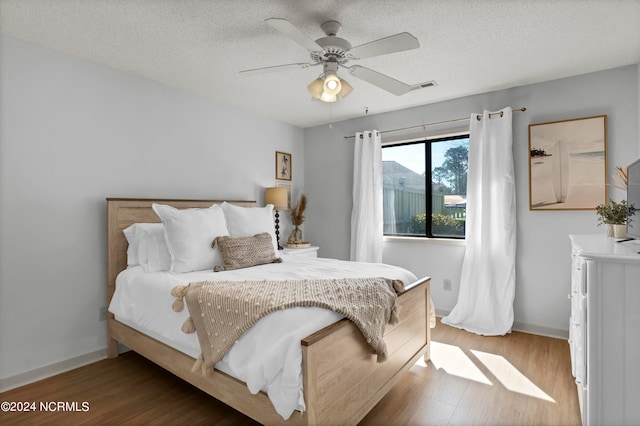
<point x="454" y="361"/>
<point x="510" y="376"/>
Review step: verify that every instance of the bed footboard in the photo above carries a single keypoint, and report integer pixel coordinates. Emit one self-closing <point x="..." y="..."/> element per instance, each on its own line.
<point x="342" y="379"/>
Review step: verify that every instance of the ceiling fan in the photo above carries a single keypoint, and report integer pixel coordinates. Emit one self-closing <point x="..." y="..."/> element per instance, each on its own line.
<point x="333" y="52"/>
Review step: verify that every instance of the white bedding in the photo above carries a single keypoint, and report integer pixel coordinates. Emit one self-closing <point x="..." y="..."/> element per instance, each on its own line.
<point x="268" y="356"/>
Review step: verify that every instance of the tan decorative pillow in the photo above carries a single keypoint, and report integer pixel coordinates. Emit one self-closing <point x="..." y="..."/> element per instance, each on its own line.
<point x="243" y="252"/>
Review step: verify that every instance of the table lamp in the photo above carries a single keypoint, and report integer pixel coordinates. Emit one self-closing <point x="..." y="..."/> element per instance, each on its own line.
<point x="279" y="197"/>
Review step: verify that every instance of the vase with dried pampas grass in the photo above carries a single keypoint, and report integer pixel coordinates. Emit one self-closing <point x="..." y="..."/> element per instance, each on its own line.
<point x="620" y="177"/>
<point x="297" y="219"/>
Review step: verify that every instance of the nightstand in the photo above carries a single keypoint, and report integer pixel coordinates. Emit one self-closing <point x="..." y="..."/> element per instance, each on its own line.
<point x="306" y="252"/>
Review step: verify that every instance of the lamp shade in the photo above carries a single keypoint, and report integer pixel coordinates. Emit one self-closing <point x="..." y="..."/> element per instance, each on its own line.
<point x="278" y="197"/>
<point x="346" y="89"/>
<point x="315" y="88"/>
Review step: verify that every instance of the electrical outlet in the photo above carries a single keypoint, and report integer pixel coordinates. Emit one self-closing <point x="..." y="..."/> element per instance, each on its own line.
<point x="447" y="284"/>
<point x="103" y="313"/>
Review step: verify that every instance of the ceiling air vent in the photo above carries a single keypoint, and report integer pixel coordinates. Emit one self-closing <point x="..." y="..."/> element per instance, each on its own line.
<point x="423" y="85"/>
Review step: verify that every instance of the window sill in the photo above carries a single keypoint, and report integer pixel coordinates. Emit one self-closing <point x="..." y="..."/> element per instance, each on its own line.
<point x="423" y="240"/>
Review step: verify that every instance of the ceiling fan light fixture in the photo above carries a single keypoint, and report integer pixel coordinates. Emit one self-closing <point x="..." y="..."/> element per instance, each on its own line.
<point x="317" y="89"/>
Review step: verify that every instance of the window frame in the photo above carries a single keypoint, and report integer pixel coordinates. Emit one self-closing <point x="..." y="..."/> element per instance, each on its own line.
<point x="428" y="141"/>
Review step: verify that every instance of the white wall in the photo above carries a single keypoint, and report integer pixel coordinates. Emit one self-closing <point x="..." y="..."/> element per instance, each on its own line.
<point x="543" y="251"/>
<point x="74" y="133"/>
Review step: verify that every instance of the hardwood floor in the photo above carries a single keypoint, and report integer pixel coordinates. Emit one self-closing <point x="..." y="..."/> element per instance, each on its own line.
<point x="519" y="379"/>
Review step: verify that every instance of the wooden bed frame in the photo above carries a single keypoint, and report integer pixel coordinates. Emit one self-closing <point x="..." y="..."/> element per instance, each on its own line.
<point x="341" y="378"/>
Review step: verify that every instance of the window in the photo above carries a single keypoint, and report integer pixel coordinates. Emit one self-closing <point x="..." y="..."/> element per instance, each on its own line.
<point x="425" y="187"/>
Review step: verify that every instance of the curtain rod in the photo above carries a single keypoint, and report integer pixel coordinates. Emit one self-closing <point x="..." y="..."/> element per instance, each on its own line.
<point x="523" y="109"/>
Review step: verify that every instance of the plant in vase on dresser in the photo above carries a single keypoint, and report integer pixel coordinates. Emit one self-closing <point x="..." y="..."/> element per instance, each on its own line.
<point x="614" y="215"/>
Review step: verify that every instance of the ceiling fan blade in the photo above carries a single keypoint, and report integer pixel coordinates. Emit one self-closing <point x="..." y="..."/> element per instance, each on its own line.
<point x="287" y="28"/>
<point x="276" y="68"/>
<point x="391" y="44"/>
<point x="382" y="81"/>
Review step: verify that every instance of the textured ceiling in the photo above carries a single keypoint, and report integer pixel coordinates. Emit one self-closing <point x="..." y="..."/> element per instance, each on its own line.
<point x="467" y="47"/>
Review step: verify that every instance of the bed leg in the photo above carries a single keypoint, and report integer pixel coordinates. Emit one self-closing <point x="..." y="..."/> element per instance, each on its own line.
<point x="427" y="352"/>
<point x="112" y="348"/>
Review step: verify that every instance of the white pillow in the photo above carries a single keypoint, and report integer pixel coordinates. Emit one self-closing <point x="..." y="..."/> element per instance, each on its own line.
<point x="131" y="233"/>
<point x="249" y="221"/>
<point x="147" y="247"/>
<point x="153" y="251"/>
<point x="189" y="234"/>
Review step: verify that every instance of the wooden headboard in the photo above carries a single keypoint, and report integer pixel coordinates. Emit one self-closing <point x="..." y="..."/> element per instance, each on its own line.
<point x="122" y="212"/>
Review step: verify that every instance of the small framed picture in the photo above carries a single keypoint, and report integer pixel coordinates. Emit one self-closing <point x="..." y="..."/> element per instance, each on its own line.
<point x="283" y="166"/>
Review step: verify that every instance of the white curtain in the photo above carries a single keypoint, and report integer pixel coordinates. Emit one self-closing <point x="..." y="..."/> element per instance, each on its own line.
<point x="366" y="216"/>
<point x="487" y="283"/>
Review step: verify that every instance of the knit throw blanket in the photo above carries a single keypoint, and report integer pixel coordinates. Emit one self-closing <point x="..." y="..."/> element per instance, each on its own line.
<point x="221" y="311"/>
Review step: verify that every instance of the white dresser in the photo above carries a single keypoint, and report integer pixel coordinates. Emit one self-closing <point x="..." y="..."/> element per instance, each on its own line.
<point x="604" y="332"/>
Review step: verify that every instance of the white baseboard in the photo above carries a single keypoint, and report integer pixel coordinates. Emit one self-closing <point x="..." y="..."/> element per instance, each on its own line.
<point x="41" y="373"/>
<point x="31" y="376"/>
<point x="556" y="333"/>
<point x="527" y="328"/>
